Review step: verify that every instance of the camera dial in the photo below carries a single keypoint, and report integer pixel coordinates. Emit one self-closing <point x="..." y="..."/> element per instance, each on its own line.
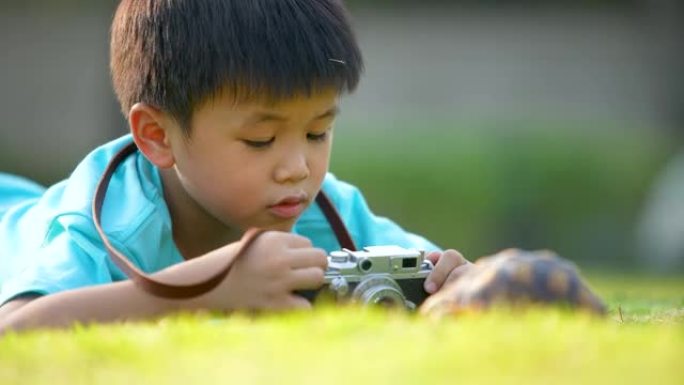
<point x="339" y="286"/>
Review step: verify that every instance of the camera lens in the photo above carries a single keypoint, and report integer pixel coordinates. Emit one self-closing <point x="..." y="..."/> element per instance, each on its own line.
<point x="379" y="290"/>
<point x="388" y="301"/>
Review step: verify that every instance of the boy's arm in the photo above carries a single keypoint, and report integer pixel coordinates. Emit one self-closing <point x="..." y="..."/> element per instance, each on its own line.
<point x="14" y="305"/>
<point x="274" y="266"/>
<point x="104" y="303"/>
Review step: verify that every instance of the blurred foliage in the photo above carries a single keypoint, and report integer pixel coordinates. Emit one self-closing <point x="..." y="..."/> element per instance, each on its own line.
<point x="576" y="191"/>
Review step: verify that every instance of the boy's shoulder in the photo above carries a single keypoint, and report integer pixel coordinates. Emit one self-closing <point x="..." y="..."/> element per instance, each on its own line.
<point x="59" y="223"/>
<point x="133" y="188"/>
<point x="134" y="194"/>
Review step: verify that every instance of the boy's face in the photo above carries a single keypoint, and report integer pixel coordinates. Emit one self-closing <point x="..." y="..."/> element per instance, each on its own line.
<point x="256" y="164"/>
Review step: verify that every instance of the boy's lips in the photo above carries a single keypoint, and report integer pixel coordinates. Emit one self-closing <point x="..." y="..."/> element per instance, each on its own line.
<point x="289" y="207"/>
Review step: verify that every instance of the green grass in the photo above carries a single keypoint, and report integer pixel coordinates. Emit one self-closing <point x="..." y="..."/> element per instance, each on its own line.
<point x="575" y="192"/>
<point x="354" y="345"/>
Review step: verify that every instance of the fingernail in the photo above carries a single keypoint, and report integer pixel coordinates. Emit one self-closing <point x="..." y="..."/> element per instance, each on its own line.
<point x="430" y="287"/>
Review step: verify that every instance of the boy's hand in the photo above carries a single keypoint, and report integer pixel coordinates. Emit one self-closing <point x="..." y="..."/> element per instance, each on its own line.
<point x="265" y="276"/>
<point x="449" y="265"/>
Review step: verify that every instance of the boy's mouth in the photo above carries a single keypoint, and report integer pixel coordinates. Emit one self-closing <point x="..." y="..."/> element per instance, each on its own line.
<point x="289" y="207"/>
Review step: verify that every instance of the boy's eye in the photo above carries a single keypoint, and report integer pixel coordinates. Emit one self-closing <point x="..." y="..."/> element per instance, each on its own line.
<point x="317" y="137"/>
<point x="258" y="143"/>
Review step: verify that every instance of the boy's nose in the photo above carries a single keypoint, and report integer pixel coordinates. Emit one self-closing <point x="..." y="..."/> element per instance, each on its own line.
<point x="293" y="168"/>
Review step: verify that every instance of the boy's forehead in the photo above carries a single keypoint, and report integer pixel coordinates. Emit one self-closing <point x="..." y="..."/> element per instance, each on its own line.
<point x="323" y="98"/>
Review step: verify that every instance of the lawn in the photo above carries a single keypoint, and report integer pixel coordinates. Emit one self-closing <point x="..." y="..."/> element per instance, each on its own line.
<point x="571" y="192"/>
<point x="643" y="343"/>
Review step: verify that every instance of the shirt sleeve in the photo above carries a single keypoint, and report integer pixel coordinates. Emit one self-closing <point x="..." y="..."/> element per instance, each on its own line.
<point x="15" y="189"/>
<point x="66" y="260"/>
<point x="366" y="228"/>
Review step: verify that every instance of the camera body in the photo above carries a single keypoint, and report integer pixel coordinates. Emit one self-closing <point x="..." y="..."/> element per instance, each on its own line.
<point x="376" y="275"/>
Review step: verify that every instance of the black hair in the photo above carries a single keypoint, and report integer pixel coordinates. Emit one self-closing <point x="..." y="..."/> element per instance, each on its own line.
<point x="176" y="54"/>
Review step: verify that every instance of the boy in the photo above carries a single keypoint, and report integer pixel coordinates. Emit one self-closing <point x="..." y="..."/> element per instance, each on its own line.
<point x="231" y="106"/>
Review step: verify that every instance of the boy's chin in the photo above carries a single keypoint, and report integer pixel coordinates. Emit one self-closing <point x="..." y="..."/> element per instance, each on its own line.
<point x="272" y="224"/>
<point x="285" y="226"/>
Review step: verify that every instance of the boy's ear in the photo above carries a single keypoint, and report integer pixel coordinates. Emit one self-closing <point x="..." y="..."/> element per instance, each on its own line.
<point x="150" y="128"/>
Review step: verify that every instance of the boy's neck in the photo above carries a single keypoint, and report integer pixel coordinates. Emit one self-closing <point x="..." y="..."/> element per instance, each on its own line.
<point x="195" y="232"/>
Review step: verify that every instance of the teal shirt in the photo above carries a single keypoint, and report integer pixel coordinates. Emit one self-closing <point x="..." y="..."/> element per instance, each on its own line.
<point x="48" y="242"/>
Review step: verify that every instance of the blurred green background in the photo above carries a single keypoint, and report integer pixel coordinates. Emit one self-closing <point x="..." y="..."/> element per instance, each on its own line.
<point x="480" y="124"/>
<point x="481" y="189"/>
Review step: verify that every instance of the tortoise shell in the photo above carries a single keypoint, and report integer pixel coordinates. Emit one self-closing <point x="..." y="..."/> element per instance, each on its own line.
<point x="514" y="277"/>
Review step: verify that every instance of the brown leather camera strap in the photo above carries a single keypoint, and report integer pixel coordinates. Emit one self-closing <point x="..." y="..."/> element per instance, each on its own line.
<point x="166" y="290"/>
<point x="335" y="221"/>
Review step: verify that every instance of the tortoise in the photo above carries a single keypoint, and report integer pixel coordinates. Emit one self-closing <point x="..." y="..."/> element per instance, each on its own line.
<point x="514" y="278"/>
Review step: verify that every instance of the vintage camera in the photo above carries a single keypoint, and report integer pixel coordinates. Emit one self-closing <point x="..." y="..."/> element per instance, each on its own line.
<point x="377" y="275"/>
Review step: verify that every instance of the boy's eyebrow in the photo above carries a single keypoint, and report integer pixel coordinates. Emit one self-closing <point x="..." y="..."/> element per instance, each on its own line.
<point x="261" y="117"/>
<point x="330" y="113"/>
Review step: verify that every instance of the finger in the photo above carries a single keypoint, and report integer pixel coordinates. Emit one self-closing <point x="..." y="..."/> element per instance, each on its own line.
<point x="447" y="262"/>
<point x="433" y="256"/>
<point x="457" y="273"/>
<point x="286" y="239"/>
<point x="297" y="241"/>
<point x="307" y="278"/>
<point x="291" y="302"/>
<point x="303" y="258"/>
<point x="298" y="302"/>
